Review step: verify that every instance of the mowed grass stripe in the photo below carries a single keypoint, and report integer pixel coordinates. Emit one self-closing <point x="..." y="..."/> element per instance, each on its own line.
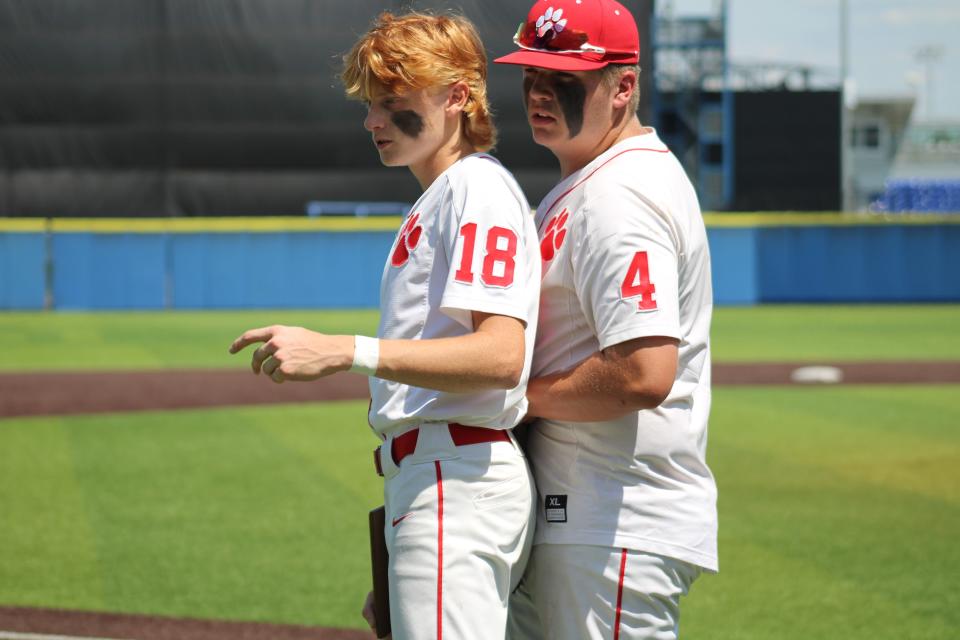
<point x="158" y="340"/>
<point x="255" y="514"/>
<point x="152" y="340"/>
<point x="834" y="333"/>
<point x="47" y="549"/>
<point x="838" y="515"/>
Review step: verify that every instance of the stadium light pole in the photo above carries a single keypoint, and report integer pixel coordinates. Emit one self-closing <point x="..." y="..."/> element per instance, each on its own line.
<point x="846" y="159"/>
<point x="928" y="55"/>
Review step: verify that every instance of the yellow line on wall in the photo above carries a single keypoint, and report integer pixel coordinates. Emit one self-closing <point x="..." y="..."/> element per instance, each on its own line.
<point x="796" y="219"/>
<point x="22" y="224"/>
<point x="391" y="223"/>
<point x="225" y="225"/>
<point x="200" y="225"/>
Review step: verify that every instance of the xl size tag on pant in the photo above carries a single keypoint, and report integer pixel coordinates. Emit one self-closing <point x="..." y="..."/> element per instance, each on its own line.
<point x="556" y="508"/>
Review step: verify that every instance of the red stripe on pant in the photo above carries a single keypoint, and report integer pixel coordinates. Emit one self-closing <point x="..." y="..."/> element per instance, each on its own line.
<point x="439" y="551"/>
<point x="623" y="568"/>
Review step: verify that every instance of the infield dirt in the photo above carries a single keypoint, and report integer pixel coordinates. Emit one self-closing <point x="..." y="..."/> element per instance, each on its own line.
<point x="26" y="394"/>
<point x="104" y="626"/>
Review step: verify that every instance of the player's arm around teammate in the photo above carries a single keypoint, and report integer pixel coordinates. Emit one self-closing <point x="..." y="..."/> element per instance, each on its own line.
<point x="621" y="372"/>
<point x="449" y="366"/>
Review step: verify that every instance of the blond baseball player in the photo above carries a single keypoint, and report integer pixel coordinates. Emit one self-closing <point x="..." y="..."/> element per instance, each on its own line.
<point x="621" y="372"/>
<point x="449" y="366"/>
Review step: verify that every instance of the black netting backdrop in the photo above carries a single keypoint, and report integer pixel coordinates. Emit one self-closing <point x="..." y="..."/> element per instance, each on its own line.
<point x="788" y="151"/>
<point x="220" y="107"/>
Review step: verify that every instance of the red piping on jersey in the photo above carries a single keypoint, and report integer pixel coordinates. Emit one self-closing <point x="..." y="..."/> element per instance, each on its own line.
<point x="623" y="567"/>
<point x="605" y="163"/>
<point x="436" y="464"/>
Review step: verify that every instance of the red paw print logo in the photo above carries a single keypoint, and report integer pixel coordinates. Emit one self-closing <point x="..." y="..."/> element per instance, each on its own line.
<point x="553" y="238"/>
<point x="409" y="237"/>
<point x="549" y="25"/>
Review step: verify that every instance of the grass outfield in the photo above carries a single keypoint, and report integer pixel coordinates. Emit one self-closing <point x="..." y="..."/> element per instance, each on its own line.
<point x="839" y="506"/>
<point x="839" y="515"/>
<point x="150" y="340"/>
<point x="247" y="514"/>
<point x="840" y="511"/>
<point x="156" y="340"/>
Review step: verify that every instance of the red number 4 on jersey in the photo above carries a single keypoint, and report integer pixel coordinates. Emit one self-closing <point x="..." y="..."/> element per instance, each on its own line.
<point x="637" y="283"/>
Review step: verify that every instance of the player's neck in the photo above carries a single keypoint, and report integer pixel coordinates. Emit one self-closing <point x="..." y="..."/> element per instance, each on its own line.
<point x="578" y="158"/>
<point x="429" y="169"/>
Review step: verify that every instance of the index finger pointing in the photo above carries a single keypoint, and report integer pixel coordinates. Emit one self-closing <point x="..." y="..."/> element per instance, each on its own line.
<point x="251" y="337"/>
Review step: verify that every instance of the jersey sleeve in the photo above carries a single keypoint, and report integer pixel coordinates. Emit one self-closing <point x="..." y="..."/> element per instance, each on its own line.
<point x="625" y="268"/>
<point x="487" y="241"/>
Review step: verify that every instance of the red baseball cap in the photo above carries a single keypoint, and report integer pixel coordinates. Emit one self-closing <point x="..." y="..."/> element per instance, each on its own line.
<point x="576" y="35"/>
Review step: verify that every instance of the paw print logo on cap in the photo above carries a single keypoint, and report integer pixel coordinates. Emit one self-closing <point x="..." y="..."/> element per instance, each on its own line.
<point x="553" y="237"/>
<point x="550" y="24"/>
<point x="409" y="237"/>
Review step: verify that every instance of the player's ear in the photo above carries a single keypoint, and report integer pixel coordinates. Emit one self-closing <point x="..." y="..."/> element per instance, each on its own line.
<point x="625" y="87"/>
<point x="457" y="95"/>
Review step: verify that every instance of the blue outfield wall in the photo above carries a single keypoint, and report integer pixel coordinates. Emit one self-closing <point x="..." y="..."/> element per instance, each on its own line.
<point x="271" y="270"/>
<point x="204" y="264"/>
<point x="733" y="257"/>
<point x="23" y="258"/>
<point x="896" y="263"/>
<point x="109" y="271"/>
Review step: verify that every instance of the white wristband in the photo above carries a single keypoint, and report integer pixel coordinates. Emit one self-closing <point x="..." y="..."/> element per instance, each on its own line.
<point x="366" y="355"/>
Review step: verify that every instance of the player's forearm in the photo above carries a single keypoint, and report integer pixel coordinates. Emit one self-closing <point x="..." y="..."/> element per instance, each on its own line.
<point x="586" y="393"/>
<point x="598" y="388"/>
<point x="491" y="357"/>
<point x="466" y="363"/>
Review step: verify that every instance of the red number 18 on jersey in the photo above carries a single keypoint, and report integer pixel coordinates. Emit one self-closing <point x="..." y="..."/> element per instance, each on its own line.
<point x="495" y="254"/>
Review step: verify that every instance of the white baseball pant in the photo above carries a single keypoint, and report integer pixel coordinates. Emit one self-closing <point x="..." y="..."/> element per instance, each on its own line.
<point x="459" y="526"/>
<point x="583" y="592"/>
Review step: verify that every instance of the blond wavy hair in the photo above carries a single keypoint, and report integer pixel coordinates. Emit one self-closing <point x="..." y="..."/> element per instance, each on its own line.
<point x="417" y="51"/>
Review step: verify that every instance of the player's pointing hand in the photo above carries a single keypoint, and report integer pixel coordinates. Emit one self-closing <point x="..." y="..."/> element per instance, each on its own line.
<point x="295" y="353"/>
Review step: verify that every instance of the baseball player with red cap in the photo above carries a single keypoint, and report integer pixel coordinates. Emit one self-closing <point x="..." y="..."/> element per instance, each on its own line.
<point x="621" y="373"/>
<point x="449" y="366"/>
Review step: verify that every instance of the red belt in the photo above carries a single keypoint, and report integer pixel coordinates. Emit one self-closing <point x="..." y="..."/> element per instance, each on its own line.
<point x="461" y="434"/>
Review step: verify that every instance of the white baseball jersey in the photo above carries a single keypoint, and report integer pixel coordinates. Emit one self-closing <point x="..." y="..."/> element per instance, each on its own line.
<point x="468" y="244"/>
<point x="625" y="256"/>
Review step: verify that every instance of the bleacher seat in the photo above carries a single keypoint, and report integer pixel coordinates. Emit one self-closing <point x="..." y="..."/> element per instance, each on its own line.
<point x="919" y="196"/>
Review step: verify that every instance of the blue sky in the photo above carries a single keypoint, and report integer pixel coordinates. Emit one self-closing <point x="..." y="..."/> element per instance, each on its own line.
<point x="884" y="36"/>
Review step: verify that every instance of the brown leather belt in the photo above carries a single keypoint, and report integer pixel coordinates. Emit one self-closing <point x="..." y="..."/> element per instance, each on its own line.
<point x="461" y="434"/>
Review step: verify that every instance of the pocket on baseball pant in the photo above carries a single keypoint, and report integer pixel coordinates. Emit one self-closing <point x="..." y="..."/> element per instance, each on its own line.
<point x="502" y="492"/>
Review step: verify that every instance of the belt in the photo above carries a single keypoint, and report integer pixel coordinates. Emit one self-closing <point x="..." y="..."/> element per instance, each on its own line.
<point x="461" y="434"/>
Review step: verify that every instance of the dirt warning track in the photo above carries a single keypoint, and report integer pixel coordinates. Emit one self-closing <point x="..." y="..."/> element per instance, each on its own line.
<point x="60" y="393"/>
<point x="30" y="623"/>
<point x="114" y="391"/>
